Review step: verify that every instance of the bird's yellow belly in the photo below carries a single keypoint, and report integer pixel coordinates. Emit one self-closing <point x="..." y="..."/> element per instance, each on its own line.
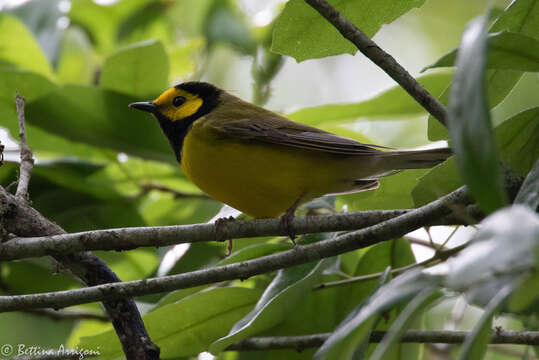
<point x="258" y="179"/>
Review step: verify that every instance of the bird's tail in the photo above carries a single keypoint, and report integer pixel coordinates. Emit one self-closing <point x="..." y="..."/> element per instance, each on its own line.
<point x="415" y="159"/>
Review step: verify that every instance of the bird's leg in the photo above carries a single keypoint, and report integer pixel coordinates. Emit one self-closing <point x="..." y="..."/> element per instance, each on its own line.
<point x="219" y="223"/>
<point x="286" y="219"/>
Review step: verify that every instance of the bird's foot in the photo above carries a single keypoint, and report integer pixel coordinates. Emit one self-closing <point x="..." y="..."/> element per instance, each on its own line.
<point x="219" y="223"/>
<point x="286" y="223"/>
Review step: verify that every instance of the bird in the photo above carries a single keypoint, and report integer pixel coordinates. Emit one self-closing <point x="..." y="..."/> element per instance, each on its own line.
<point x="260" y="162"/>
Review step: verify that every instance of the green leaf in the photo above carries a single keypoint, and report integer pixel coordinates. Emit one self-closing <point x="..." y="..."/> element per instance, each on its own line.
<point x="186" y="327"/>
<point x="301" y="32"/>
<point x="147" y="22"/>
<point x="494" y="259"/>
<point x="99" y="118"/>
<point x="19" y="49"/>
<point x="506" y="50"/>
<point x="529" y="191"/>
<point x="140" y="69"/>
<point x="526" y="295"/>
<point x="395" y="192"/>
<point x="76" y="60"/>
<point x="413" y="309"/>
<point x="41" y="18"/>
<point x="284" y="293"/>
<point x="440" y="180"/>
<point x="254" y="251"/>
<point x="475" y="344"/>
<point x="16" y="275"/>
<point x="356" y="328"/>
<point x="131" y="265"/>
<point x="392" y="103"/>
<point x="182" y="58"/>
<point x="224" y="24"/>
<point x="518" y="142"/>
<point x="519" y="17"/>
<point x="518" y="139"/>
<point x="102" y="22"/>
<point x="469" y="120"/>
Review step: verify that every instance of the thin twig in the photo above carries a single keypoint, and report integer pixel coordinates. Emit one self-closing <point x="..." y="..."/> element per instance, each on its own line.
<point x="438" y="256"/>
<point x="27" y="160"/>
<point x="385" y="61"/>
<point x="300" y="343"/>
<point x="300" y="254"/>
<point x="425" y="243"/>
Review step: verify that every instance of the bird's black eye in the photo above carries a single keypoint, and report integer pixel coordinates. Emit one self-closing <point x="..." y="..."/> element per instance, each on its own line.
<point x="178" y="101"/>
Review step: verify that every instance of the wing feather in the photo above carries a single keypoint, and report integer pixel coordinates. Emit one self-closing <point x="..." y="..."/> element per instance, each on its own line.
<point x="285" y="132"/>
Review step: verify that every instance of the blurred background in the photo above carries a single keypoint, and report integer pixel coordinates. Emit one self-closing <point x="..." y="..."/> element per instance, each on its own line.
<point x="83" y="185"/>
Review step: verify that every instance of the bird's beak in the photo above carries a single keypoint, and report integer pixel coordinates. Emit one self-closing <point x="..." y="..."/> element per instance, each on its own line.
<point x="148" y="106"/>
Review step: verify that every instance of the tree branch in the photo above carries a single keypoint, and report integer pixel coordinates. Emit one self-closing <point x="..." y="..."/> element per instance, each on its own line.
<point x="21" y="219"/>
<point x="27" y="160"/>
<point x="130" y="238"/>
<point x="300" y="343"/>
<point x="300" y="254"/>
<point x="385" y="61"/>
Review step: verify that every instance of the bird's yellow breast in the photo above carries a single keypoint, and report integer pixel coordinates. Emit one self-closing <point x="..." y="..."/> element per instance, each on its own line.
<point x="261" y="180"/>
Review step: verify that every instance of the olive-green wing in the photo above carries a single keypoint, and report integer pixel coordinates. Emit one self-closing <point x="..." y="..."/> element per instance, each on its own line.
<point x="282" y="131"/>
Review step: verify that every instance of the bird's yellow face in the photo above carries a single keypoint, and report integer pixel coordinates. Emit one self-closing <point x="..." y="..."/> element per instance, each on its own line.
<point x="179" y="107"/>
<point x="177" y="104"/>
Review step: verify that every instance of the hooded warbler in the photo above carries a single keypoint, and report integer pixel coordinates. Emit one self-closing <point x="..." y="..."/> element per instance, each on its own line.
<point x="262" y="163"/>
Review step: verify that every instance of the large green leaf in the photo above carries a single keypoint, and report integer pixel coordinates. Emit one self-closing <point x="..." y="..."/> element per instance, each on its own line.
<point x="76" y="61"/>
<point x="186" y="327"/>
<point x="103" y="22"/>
<point x="100" y="118"/>
<point x="469" y="121"/>
<point x="439" y="181"/>
<point x="393" y="103"/>
<point x="139" y="70"/>
<point x="518" y="145"/>
<point x="521" y="16"/>
<point x="42" y="18"/>
<point x="281" y="297"/>
<point x="518" y="139"/>
<point x="506" y="50"/>
<point x="19" y="49"/>
<point x="301" y="32"/>
<point x="494" y="259"/>
<point x="224" y="24"/>
<point x="395" y="192"/>
<point x="355" y="329"/>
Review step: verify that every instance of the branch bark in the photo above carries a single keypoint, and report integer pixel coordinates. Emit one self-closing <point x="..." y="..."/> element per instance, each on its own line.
<point x="300" y="254"/>
<point x="130" y="238"/>
<point x="21" y="219"/>
<point x="378" y="56"/>
<point x="27" y="159"/>
<point x="300" y="343"/>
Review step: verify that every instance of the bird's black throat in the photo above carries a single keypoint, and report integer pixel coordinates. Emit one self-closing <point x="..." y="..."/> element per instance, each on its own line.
<point x="176" y="131"/>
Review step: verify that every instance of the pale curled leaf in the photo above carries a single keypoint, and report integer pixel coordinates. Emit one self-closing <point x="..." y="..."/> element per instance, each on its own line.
<point x="501" y="251"/>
